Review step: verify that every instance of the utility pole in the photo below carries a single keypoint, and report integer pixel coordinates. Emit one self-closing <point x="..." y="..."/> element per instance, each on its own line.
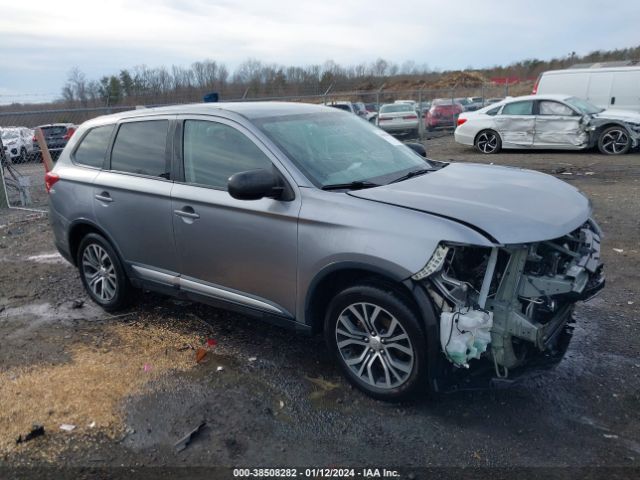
<point x="4" y="203"/>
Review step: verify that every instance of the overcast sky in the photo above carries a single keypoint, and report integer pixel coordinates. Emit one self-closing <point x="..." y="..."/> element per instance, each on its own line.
<point x="40" y="41"/>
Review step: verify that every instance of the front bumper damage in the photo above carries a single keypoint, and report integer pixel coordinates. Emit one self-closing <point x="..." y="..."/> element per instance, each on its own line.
<point x="507" y="311"/>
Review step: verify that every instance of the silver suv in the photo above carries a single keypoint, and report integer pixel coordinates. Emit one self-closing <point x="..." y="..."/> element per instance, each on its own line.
<point x="420" y="274"/>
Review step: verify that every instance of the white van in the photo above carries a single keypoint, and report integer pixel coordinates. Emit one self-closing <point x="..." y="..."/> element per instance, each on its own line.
<point x="612" y="87"/>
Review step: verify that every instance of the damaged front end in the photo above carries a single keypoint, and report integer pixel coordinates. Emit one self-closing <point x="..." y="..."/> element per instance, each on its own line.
<point x="503" y="308"/>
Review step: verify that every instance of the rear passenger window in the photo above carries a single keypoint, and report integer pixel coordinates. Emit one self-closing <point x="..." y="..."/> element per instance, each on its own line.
<point x="93" y="147"/>
<point x="518" y="108"/>
<point x="214" y="151"/>
<point x="140" y="148"/>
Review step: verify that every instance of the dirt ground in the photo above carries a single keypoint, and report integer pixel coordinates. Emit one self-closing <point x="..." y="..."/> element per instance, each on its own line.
<point x="132" y="388"/>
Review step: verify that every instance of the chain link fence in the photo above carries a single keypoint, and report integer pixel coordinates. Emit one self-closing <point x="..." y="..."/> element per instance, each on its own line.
<point x="23" y="171"/>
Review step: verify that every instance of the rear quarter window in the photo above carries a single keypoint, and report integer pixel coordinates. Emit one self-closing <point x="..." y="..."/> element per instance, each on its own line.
<point x="93" y="147"/>
<point x="140" y="148"/>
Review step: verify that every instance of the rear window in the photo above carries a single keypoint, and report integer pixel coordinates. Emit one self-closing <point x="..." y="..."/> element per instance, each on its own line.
<point x="93" y="147"/>
<point x="140" y="148"/>
<point x="54" y="131"/>
<point x="397" y="107"/>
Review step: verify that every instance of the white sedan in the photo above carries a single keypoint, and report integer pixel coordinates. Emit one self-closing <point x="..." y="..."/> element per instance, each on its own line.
<point x="548" y="122"/>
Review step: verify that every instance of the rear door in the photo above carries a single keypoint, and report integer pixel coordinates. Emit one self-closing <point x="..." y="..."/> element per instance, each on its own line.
<point x="516" y="123"/>
<point x="236" y="250"/>
<point x="557" y="125"/>
<point x="132" y="196"/>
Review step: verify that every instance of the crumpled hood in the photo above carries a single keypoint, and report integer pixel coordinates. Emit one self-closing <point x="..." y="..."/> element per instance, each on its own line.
<point x="510" y="204"/>
<point x="623" y="115"/>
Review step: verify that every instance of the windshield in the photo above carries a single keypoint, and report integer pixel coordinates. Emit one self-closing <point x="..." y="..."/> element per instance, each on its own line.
<point x="9" y="134"/>
<point x="585" y="107"/>
<point x="396" y="107"/>
<point x="333" y="148"/>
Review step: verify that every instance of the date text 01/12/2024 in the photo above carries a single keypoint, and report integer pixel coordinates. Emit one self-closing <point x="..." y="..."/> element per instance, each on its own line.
<point x="315" y="473"/>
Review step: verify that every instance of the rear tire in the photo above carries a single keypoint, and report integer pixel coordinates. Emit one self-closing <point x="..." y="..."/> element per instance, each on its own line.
<point x="488" y="142"/>
<point x="614" y="140"/>
<point x="102" y="273"/>
<point x="378" y="342"/>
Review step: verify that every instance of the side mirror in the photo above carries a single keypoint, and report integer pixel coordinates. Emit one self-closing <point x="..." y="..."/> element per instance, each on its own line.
<point x="418" y="148"/>
<point x="254" y="185"/>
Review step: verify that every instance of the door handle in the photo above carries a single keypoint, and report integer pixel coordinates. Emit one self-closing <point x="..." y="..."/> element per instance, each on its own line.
<point x="187" y="212"/>
<point x="613" y="100"/>
<point x="104" y="197"/>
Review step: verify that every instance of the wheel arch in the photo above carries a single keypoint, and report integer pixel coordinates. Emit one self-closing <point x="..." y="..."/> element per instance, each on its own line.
<point x="611" y="123"/>
<point x="338" y="276"/>
<point x="80" y="229"/>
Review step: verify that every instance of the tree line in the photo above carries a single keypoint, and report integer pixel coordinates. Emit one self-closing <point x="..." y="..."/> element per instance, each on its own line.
<point x="254" y="78"/>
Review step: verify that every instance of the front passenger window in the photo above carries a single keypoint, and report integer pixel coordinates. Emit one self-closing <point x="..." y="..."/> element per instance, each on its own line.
<point x="554" y="108"/>
<point x="214" y="151"/>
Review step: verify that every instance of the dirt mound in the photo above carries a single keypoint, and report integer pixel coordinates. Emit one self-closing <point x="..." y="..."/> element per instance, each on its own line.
<point x="459" y="79"/>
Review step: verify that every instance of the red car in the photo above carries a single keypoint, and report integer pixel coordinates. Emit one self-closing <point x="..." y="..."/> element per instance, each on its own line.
<point x="443" y="113"/>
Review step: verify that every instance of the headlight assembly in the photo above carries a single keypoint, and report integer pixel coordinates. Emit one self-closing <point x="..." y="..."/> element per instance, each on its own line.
<point x="434" y="264"/>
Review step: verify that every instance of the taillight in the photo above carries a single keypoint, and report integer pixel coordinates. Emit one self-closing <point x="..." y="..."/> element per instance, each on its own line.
<point x="382" y="119"/>
<point x="410" y="117"/>
<point x="535" y="85"/>
<point x="50" y="179"/>
<point x="69" y="134"/>
<point x="461" y="120"/>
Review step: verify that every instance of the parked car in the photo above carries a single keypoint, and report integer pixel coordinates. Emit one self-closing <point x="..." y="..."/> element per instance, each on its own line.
<point x="549" y="121"/>
<point x="492" y="100"/>
<point x="611" y="87"/>
<point x="356" y="108"/>
<point x="443" y="113"/>
<point x="423" y="107"/>
<point x="468" y="104"/>
<point x="346" y="106"/>
<point x="309" y="217"/>
<point x="372" y="107"/>
<point x="398" y="118"/>
<point x="56" y="135"/>
<point x="17" y="143"/>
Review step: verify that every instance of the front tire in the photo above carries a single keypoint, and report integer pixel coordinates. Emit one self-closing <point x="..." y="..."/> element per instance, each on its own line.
<point x="102" y="273"/>
<point x="378" y="342"/>
<point x="614" y="140"/>
<point x="488" y="142"/>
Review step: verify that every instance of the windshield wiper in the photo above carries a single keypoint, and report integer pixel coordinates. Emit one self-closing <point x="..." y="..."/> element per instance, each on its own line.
<point x="413" y="173"/>
<point x="357" y="185"/>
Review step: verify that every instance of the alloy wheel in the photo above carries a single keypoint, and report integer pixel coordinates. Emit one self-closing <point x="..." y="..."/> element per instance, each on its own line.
<point x="374" y="345"/>
<point x="487" y="142"/>
<point x="99" y="272"/>
<point x="615" y="141"/>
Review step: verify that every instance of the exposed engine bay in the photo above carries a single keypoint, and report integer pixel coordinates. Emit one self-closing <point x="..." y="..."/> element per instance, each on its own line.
<point x="509" y="303"/>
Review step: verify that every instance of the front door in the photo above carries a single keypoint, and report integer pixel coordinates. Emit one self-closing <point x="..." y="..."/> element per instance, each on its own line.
<point x="516" y="124"/>
<point x="236" y="250"/>
<point x="558" y="126"/>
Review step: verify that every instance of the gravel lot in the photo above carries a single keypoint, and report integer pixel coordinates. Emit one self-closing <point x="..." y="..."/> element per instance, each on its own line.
<point x="132" y="388"/>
